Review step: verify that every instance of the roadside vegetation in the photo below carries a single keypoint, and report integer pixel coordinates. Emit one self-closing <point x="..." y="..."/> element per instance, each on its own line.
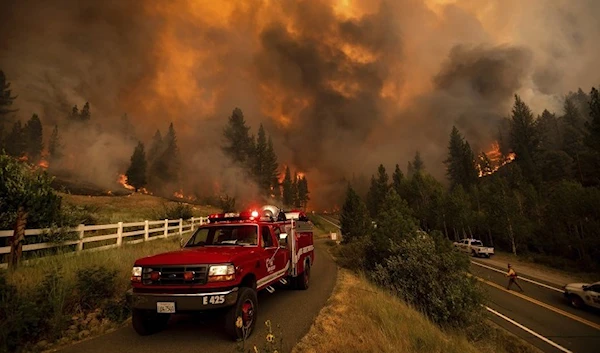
<point x="64" y="298"/>
<point x="362" y="317"/>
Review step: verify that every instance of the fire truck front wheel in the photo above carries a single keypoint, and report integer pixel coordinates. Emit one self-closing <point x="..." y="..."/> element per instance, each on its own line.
<point x="241" y="318"/>
<point x="146" y="322"/>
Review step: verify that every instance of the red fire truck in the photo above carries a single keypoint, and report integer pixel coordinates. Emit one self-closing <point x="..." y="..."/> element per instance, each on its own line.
<point x="222" y="266"/>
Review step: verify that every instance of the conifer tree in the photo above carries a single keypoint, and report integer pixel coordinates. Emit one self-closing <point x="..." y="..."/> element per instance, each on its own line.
<point x="54" y="145"/>
<point x="237" y="139"/>
<point x="15" y="142"/>
<point x="6" y="98"/>
<point x="354" y="218"/>
<point x="33" y="135"/>
<point x="303" y="192"/>
<point x="288" y="192"/>
<point x="377" y="191"/>
<point x="136" y="173"/>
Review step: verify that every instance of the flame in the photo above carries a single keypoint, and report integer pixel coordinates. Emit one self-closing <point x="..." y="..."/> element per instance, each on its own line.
<point x="123" y="181"/>
<point x="497" y="159"/>
<point x="43" y="163"/>
<point x="144" y="191"/>
<point x="299" y="175"/>
<point x="178" y="194"/>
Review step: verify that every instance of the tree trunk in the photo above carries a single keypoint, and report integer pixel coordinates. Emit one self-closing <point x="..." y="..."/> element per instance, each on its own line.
<point x="470" y="231"/>
<point x="16" y="241"/>
<point x="490" y="237"/>
<point x="445" y="228"/>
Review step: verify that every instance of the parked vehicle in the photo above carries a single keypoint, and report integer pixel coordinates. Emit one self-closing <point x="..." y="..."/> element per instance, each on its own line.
<point x="474" y="247"/>
<point x="222" y="266"/>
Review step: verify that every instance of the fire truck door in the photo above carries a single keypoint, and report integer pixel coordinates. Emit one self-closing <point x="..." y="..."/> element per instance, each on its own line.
<point x="283" y="254"/>
<point x="272" y="257"/>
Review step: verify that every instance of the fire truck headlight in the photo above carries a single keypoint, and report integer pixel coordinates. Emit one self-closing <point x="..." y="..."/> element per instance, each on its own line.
<point x="221" y="273"/>
<point x="136" y="274"/>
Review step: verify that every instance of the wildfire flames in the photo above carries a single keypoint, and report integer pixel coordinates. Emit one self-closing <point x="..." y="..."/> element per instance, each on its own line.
<point x="43" y="163"/>
<point x="123" y="181"/>
<point x="497" y="160"/>
<point x="179" y="194"/>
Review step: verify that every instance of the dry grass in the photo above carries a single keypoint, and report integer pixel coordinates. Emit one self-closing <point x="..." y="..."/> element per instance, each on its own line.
<point x="131" y="208"/>
<point x="360" y="317"/>
<point x="121" y="259"/>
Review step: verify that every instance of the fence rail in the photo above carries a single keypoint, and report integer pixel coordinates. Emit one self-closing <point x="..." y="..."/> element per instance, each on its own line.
<point x="92" y="237"/>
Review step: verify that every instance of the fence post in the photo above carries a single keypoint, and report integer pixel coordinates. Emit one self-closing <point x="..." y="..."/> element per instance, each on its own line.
<point x="166" y="233"/>
<point x="120" y="234"/>
<point x="180" y="227"/>
<point x="81" y="231"/>
<point x="146" y="230"/>
<point x="192" y="220"/>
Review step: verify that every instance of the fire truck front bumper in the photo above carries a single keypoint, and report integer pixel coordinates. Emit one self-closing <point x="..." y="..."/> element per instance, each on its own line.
<point x="174" y="303"/>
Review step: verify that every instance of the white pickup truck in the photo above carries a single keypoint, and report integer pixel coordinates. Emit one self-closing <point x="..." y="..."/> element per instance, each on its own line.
<point x="582" y="295"/>
<point x="474" y="247"/>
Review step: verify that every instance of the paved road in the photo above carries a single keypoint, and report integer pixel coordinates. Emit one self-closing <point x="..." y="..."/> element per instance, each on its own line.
<point x="542" y="310"/>
<point x="294" y="310"/>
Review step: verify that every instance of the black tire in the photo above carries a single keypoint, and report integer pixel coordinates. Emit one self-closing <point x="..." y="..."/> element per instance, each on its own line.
<point x="576" y="301"/>
<point x="146" y="322"/>
<point x="303" y="281"/>
<point x="246" y="308"/>
<point x="473" y="253"/>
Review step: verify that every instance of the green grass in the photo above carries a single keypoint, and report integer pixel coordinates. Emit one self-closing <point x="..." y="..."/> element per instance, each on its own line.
<point x="131" y="208"/>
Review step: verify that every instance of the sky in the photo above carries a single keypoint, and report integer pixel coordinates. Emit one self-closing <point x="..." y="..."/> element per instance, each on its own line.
<point x="341" y="86"/>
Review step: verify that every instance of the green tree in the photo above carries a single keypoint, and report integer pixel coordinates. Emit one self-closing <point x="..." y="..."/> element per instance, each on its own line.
<point x="54" y="145"/>
<point x="6" y="98"/>
<point x="548" y="130"/>
<point x="303" y="192"/>
<point x="398" y="180"/>
<point x="270" y="177"/>
<point x="171" y="157"/>
<point x="377" y="191"/>
<point x="460" y="164"/>
<point x="259" y="159"/>
<point x="136" y="173"/>
<point x="237" y="139"/>
<point x="15" y="142"/>
<point x="523" y="138"/>
<point x="354" y="218"/>
<point x="593" y="125"/>
<point x="288" y="192"/>
<point x="573" y="135"/>
<point x="34" y="138"/>
<point x="417" y="164"/>
<point x="24" y="193"/>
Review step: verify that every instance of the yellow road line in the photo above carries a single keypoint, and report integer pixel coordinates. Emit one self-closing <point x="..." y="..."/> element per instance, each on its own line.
<point x="537" y="302"/>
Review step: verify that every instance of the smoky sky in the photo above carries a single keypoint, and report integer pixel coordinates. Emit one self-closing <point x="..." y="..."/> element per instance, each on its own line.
<point x="341" y="86"/>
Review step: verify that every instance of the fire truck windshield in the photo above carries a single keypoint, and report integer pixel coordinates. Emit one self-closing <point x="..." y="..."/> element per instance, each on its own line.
<point x="225" y="235"/>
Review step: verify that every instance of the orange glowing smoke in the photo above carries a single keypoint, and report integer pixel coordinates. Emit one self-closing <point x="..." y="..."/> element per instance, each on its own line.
<point x="43" y="163"/>
<point x="123" y="181"/>
<point x="497" y="159"/>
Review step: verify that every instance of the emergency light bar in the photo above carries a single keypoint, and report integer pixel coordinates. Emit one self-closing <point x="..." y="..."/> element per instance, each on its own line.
<point x="250" y="215"/>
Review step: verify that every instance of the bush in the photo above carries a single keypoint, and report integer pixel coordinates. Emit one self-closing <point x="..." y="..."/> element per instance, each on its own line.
<point x="95" y="285"/>
<point x="117" y="310"/>
<point x="352" y="255"/>
<point x="179" y="210"/>
<point x="429" y="275"/>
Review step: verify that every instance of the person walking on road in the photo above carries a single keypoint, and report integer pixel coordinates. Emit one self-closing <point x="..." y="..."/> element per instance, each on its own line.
<point x="512" y="278"/>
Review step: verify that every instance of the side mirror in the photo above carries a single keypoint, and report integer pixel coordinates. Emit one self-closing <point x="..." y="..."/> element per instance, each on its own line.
<point x="585" y="288"/>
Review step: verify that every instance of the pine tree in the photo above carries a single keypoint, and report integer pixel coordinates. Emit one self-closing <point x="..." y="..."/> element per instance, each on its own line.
<point x="377" y="191"/>
<point x="156" y="148"/>
<point x="74" y="114"/>
<point x="33" y="134"/>
<point x="54" y="145"/>
<point x="523" y="138"/>
<point x="288" y="192"/>
<point x="6" y="98"/>
<point x="136" y="173"/>
<point x="417" y="164"/>
<point x="271" y="171"/>
<point x="398" y="180"/>
<point x="548" y="131"/>
<point x="259" y="160"/>
<point x="354" y="218"/>
<point x="85" y="114"/>
<point x="295" y="190"/>
<point x="593" y="125"/>
<point x="454" y="162"/>
<point x="171" y="156"/>
<point x="15" y="142"/>
<point x="237" y="139"/>
<point x="469" y="165"/>
<point x="303" y="192"/>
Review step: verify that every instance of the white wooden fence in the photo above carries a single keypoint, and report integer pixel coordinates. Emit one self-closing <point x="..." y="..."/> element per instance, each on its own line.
<point x="130" y="233"/>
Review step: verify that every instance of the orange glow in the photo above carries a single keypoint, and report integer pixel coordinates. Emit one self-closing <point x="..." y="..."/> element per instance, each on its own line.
<point x="497" y="159"/>
<point x="123" y="181"/>
<point x="144" y="191"/>
<point x="178" y="194"/>
<point x="43" y="163"/>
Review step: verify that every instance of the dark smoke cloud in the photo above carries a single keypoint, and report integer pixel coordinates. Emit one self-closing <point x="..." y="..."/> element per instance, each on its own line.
<point x="340" y="85"/>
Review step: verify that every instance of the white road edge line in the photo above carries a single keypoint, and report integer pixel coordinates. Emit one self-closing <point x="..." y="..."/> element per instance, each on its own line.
<point x="523" y="278"/>
<point x="326" y="220"/>
<point x="555" y="345"/>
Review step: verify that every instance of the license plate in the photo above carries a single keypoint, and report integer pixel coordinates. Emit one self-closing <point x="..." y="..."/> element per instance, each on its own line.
<point x="165" y="307"/>
<point x="213" y="300"/>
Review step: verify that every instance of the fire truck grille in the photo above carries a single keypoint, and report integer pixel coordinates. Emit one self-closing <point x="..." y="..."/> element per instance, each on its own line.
<point x="174" y="275"/>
